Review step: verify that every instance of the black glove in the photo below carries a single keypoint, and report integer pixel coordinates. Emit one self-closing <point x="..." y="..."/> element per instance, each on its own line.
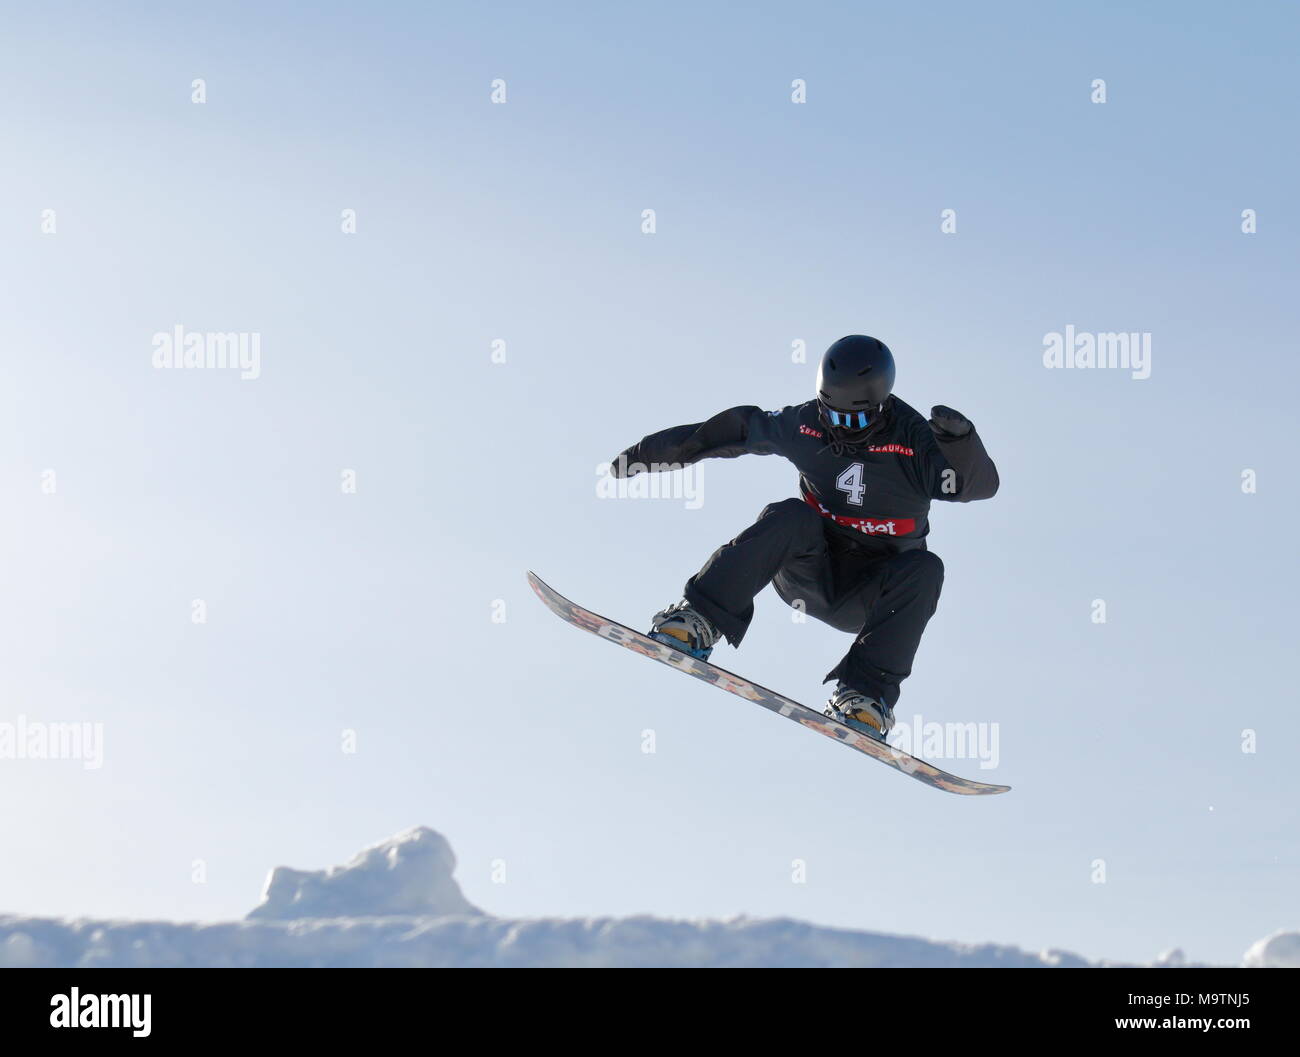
<point x="626" y="463"/>
<point x="947" y="423"/>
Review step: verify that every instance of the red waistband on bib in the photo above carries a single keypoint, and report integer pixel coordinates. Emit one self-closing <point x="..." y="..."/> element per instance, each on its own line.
<point x="870" y="526"/>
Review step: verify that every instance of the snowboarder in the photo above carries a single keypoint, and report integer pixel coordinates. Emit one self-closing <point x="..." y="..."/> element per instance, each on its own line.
<point x="851" y="551"/>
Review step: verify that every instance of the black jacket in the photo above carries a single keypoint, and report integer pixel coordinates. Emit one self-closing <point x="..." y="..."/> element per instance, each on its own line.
<point x="877" y="495"/>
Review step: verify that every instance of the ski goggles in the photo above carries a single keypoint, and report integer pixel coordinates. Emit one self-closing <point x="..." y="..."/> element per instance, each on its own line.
<point x="846" y="419"/>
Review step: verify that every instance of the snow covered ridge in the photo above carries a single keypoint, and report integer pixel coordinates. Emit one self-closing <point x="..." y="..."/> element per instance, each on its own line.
<point x="1278" y="951"/>
<point x="397" y="904"/>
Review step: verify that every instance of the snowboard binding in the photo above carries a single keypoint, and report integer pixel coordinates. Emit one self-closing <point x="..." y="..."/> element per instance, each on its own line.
<point x="861" y="712"/>
<point x="684" y="628"/>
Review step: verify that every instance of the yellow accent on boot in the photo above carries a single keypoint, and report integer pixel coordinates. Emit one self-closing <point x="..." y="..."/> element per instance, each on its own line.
<point x="677" y="633"/>
<point x="864" y="716"/>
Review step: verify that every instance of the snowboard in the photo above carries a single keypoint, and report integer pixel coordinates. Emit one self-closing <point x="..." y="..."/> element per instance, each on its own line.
<point x="759" y="695"/>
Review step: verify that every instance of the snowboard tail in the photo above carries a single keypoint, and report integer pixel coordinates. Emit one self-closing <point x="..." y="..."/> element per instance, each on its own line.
<point x="759" y="695"/>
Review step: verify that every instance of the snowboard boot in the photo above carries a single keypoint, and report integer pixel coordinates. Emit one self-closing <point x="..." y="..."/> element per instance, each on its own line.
<point x="685" y="629"/>
<point x="866" y="714"/>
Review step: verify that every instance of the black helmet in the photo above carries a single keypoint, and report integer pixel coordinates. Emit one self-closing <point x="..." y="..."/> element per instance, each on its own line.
<point x="855" y="378"/>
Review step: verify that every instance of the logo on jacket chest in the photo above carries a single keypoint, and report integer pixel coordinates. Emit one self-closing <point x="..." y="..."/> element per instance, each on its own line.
<point x="892" y="449"/>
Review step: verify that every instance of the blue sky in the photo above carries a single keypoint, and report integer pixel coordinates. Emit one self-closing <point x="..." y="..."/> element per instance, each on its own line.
<point x="521" y="741"/>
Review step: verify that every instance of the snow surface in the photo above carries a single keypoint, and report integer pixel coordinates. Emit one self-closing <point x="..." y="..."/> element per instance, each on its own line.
<point x="397" y="904"/>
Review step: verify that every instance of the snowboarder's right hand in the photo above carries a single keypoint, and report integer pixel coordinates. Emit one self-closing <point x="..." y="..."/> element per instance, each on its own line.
<point x="626" y="463"/>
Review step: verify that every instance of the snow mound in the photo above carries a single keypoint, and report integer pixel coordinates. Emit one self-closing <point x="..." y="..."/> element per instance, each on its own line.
<point x="396" y="904"/>
<point x="1278" y="951"/>
<point x="410" y="875"/>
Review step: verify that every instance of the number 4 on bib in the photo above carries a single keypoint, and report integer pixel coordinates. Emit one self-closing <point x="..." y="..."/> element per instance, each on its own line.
<point x="851" y="482"/>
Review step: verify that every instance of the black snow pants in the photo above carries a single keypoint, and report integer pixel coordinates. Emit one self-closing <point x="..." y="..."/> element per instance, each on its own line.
<point x="885" y="599"/>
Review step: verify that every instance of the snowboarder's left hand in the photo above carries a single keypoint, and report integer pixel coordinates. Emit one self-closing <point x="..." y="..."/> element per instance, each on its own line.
<point x="947" y="423"/>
